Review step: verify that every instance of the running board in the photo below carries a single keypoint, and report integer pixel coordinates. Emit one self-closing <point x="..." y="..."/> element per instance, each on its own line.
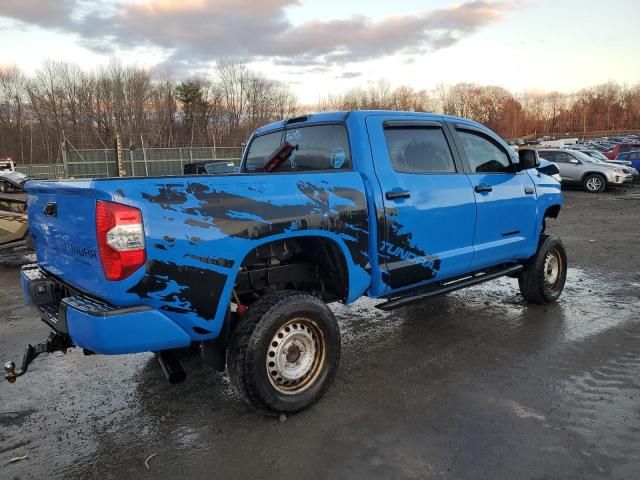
<point x="450" y="286"/>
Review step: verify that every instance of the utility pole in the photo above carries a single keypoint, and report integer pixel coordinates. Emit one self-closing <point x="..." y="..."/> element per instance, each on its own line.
<point x="144" y="155"/>
<point x="122" y="172"/>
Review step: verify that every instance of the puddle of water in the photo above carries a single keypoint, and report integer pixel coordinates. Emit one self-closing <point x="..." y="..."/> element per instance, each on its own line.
<point x="87" y="405"/>
<point x="604" y="405"/>
<point x="591" y="303"/>
<point x="68" y="417"/>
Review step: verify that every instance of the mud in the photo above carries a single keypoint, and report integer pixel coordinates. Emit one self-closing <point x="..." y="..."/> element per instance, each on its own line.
<point x="476" y="384"/>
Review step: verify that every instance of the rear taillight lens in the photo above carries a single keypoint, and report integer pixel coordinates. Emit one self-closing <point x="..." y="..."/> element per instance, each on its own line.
<point x="120" y="237"/>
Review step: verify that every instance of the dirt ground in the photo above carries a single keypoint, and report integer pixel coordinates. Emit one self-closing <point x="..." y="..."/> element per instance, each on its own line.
<point x="474" y="385"/>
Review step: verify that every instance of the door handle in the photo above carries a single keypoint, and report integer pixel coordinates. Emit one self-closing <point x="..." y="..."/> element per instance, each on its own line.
<point x="529" y="190"/>
<point x="481" y="188"/>
<point x="395" y="194"/>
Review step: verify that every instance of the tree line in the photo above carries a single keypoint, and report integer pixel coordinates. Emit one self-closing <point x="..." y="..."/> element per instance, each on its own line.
<point x="63" y="106"/>
<point x="606" y="107"/>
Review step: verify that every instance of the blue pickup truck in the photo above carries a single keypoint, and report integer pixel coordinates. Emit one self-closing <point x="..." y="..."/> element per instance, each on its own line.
<point x="325" y="207"/>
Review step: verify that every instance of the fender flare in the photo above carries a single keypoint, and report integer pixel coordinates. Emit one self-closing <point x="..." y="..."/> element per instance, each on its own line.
<point x="358" y="279"/>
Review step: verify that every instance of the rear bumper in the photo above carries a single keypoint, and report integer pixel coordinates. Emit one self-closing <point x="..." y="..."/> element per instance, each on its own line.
<point x="95" y="325"/>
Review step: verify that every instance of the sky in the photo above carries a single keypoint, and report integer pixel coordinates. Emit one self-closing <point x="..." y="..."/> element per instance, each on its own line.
<point x="322" y="47"/>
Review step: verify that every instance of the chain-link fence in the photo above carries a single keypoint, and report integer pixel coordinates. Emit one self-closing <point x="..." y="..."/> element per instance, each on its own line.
<point x="45" y="170"/>
<point x="92" y="163"/>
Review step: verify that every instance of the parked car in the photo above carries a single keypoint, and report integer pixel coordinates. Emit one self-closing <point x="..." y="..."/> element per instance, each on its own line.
<point x="598" y="155"/>
<point x="621" y="148"/>
<point x="623" y="163"/>
<point x="578" y="168"/>
<point x="327" y="207"/>
<point x="6" y="164"/>
<point x="632" y="156"/>
<point x="14" y="229"/>
<point x="209" y="167"/>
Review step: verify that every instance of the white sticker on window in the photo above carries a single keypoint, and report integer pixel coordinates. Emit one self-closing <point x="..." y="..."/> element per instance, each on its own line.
<point x="293" y="135"/>
<point x="338" y="157"/>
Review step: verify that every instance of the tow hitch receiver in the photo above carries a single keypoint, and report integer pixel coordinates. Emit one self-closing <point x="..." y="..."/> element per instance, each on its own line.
<point x="56" y="342"/>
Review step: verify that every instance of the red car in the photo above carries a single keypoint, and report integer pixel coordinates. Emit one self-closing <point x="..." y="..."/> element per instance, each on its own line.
<point x="620" y="148"/>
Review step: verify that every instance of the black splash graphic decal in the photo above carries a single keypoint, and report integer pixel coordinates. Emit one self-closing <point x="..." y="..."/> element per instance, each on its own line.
<point x="182" y="288"/>
<point x="407" y="263"/>
<point x="340" y="210"/>
<point x="222" y="262"/>
<point x="168" y="196"/>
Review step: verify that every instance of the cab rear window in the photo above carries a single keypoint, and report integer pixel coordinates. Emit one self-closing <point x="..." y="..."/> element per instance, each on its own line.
<point x="319" y="147"/>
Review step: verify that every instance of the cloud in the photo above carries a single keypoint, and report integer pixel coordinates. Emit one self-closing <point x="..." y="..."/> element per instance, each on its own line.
<point x="195" y="32"/>
<point x="44" y="13"/>
<point x="349" y="75"/>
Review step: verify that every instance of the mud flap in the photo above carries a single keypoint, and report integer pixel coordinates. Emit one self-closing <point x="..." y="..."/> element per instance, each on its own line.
<point x="214" y="352"/>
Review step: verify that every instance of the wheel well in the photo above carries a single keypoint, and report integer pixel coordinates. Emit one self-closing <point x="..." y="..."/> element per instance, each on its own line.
<point x="315" y="265"/>
<point x="552" y="212"/>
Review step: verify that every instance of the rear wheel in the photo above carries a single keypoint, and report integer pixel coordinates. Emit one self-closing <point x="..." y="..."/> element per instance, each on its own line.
<point x="594" y="183"/>
<point x="284" y="354"/>
<point x="543" y="278"/>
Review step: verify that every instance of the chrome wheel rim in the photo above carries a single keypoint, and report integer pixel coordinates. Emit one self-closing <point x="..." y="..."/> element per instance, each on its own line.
<point x="552" y="268"/>
<point x="594" y="184"/>
<point x="295" y="356"/>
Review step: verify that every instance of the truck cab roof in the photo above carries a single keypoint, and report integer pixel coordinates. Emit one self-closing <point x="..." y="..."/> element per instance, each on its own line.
<point x="342" y="116"/>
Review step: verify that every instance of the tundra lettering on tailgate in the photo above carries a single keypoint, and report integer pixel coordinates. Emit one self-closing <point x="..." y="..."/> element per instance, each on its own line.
<point x="79" y="250"/>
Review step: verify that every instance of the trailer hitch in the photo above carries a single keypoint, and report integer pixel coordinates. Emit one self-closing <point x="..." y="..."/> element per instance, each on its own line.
<point x="55" y="343"/>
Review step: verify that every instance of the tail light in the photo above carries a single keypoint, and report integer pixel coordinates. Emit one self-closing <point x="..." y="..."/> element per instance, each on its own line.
<point x="120" y="239"/>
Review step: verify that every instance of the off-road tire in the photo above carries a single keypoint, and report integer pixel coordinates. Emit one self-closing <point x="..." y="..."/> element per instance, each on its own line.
<point x="251" y="341"/>
<point x="592" y="180"/>
<point x="533" y="281"/>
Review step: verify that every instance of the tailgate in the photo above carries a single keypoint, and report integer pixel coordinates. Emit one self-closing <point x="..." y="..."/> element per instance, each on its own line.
<point x="62" y="224"/>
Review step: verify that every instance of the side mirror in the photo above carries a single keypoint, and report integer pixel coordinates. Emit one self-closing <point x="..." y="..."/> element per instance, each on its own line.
<point x="528" y="159"/>
<point x="574" y="161"/>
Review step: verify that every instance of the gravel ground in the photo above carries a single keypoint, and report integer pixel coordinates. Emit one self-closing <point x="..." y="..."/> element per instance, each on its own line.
<point x="476" y="384"/>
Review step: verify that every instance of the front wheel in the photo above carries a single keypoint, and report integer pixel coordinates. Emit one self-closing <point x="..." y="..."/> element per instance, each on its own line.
<point x="543" y="278"/>
<point x="284" y="354"/>
<point x="594" y="183"/>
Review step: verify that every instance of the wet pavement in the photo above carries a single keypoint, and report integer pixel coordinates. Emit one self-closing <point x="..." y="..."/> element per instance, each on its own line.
<point x="476" y="384"/>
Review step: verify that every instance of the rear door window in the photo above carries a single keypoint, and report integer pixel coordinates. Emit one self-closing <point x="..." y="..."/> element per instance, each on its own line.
<point x="419" y="150"/>
<point x="319" y="147"/>
<point x="563" y="157"/>
<point x="550" y="156"/>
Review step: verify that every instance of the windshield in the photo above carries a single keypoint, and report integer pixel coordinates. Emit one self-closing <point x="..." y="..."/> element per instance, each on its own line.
<point x="586" y="158"/>
<point x="597" y="155"/>
<point x="16" y="177"/>
<point x="220" y="167"/>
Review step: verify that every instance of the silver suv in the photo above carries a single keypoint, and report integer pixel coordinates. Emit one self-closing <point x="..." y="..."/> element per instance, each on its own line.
<point x="580" y="169"/>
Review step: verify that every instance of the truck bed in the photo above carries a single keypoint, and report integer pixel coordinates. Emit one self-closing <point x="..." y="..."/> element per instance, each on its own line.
<point x="197" y="232"/>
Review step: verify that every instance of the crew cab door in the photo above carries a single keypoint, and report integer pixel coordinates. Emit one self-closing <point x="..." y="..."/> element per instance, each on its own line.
<point x="506" y="201"/>
<point x="429" y="205"/>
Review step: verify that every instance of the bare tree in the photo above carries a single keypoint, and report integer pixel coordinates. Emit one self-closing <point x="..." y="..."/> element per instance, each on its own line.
<point x="13" y="115"/>
<point x="61" y="102"/>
